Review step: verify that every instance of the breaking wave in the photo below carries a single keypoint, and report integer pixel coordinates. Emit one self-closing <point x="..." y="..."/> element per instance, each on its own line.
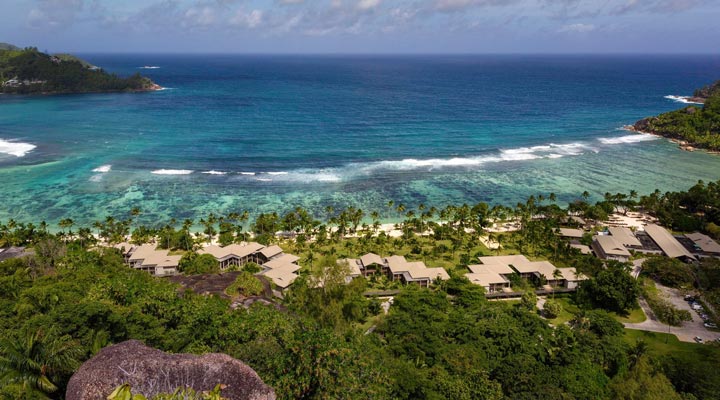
<point x="681" y="99"/>
<point x="172" y="172"/>
<point x="357" y="169"/>
<point x="17" y="149"/>
<point x="635" y="138"/>
<point x="103" y="168"/>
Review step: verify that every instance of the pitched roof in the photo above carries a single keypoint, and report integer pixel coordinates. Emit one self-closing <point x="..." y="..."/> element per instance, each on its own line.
<point x="583" y="249"/>
<point x="507" y="260"/>
<point x="141" y="252"/>
<point x="353" y="264"/>
<point x="571" y="233"/>
<point x="544" y="268"/>
<point x="501" y="269"/>
<point x="236" y="250"/>
<point x="281" y="277"/>
<point x="397" y="264"/>
<point x="371" y="258"/>
<point x="162" y="259"/>
<point x="282" y="263"/>
<point x="667" y="243"/>
<point x="610" y="246"/>
<point x="486" y="278"/>
<point x="571" y="275"/>
<point x="705" y="242"/>
<point x="271" y="251"/>
<point x="624" y="236"/>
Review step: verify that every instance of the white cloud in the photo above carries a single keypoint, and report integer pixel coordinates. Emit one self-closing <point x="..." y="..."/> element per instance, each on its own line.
<point x="201" y="17"/>
<point x="368" y="4"/>
<point x="250" y="20"/>
<point x="577" y="28"/>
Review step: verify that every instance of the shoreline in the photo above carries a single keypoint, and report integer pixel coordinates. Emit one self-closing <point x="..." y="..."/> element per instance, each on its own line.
<point x="682" y="144"/>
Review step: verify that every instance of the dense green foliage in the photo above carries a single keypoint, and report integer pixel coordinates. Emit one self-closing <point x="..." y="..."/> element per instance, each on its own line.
<point x="124" y="392"/>
<point x="192" y="263"/>
<point x="698" y="126"/>
<point x="612" y="289"/>
<point x="59" y="74"/>
<point x="669" y="271"/>
<point x="695" y="209"/>
<point x="245" y="284"/>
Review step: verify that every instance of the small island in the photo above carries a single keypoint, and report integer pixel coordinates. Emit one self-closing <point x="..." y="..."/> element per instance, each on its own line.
<point x="29" y="71"/>
<point x="692" y="127"/>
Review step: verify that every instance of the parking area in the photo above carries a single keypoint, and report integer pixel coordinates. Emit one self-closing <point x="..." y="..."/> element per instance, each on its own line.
<point x="686" y="333"/>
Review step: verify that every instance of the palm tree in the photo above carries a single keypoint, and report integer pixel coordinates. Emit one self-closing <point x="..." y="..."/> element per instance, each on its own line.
<point x="66" y="223"/>
<point x="38" y="361"/>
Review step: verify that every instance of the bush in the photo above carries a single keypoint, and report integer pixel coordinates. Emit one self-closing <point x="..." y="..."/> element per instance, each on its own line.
<point x="252" y="268"/>
<point x="193" y="264"/>
<point x="552" y="309"/>
<point x="245" y="284"/>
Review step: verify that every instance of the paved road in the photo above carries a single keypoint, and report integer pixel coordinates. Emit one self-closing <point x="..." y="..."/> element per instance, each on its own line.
<point x="685" y="333"/>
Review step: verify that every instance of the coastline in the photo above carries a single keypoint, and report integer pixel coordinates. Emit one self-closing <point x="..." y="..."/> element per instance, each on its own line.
<point x="682" y="144"/>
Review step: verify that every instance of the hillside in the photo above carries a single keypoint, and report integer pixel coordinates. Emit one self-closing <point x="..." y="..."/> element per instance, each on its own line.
<point x="698" y="126"/>
<point x="8" y="46"/>
<point x="29" y="71"/>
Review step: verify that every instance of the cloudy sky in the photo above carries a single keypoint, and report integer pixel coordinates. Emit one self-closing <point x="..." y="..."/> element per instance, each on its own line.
<point x="364" y="26"/>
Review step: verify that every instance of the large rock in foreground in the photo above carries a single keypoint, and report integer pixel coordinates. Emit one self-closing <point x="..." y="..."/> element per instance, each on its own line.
<point x="150" y="371"/>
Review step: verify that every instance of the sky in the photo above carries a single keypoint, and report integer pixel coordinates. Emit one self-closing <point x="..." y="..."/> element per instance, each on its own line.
<point x="363" y="26"/>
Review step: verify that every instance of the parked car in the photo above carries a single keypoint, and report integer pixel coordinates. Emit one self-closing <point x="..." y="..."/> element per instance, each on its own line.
<point x="689" y="298"/>
<point x="704" y="317"/>
<point x="696" y="306"/>
<point x="710" y="325"/>
<point x="698" y="339"/>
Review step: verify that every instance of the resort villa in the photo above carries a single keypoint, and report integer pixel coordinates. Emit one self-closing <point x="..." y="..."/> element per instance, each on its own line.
<point x="667" y="243"/>
<point x="147" y="258"/>
<point x="607" y="247"/>
<point x="396" y="268"/>
<point x="494" y="273"/>
<point x="279" y="267"/>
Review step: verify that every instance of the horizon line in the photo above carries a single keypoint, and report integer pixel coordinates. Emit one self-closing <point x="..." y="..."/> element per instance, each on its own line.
<point x="143" y="52"/>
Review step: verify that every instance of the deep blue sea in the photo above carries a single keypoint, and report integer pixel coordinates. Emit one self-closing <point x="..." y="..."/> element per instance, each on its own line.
<point x="268" y="133"/>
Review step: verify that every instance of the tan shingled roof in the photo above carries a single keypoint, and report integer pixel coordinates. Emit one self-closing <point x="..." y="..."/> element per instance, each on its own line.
<point x="669" y="245"/>
<point x="610" y="246"/>
<point x="371" y="258"/>
<point x="705" y="242"/>
<point x="624" y="236"/>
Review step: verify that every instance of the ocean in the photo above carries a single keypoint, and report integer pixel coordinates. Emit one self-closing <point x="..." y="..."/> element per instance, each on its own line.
<point x="270" y="133"/>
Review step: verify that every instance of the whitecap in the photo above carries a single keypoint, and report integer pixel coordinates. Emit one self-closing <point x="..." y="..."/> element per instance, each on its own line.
<point x="278" y="173"/>
<point x="149" y="67"/>
<point x="172" y="172"/>
<point x="681" y="99"/>
<point x="17" y="149"/>
<point x="213" y="172"/>
<point x="263" y="179"/>
<point x="554" y="155"/>
<point x="634" y="138"/>
<point x="103" y="168"/>
<point x="247" y="173"/>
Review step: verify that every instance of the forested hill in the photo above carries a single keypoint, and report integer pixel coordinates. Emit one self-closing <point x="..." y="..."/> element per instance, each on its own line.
<point x="27" y="71"/>
<point x="699" y="126"/>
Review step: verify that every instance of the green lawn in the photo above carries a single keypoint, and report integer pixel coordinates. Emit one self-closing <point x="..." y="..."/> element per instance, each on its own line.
<point x="656" y="342"/>
<point x="569" y="309"/>
<point x="637" y="315"/>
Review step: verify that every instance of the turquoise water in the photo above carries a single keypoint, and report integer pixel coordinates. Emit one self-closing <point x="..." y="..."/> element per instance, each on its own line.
<point x="268" y="133"/>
